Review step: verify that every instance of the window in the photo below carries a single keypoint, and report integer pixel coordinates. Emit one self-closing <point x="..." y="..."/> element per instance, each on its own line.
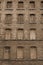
<point x="0" y="5"/>
<point x="7" y="52"/>
<point x="8" y="34"/>
<point x="32" y="34"/>
<point x="0" y="18"/>
<point x="9" y="4"/>
<point x="20" y="34"/>
<point x="41" y="4"/>
<point x="20" y="19"/>
<point x="33" y="52"/>
<point x="32" y="18"/>
<point x="32" y="4"/>
<point x="20" y="53"/>
<point x="6" y="63"/>
<point x="1" y="54"/>
<point x="1" y="33"/>
<point x="41" y="18"/>
<point x="8" y="19"/>
<point x="20" y="4"/>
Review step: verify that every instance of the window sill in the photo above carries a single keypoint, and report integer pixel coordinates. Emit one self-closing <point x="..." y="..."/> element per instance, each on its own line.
<point x="32" y="8"/>
<point x="32" y="23"/>
<point x="9" y="9"/>
<point x="41" y="23"/>
<point x="8" y="24"/>
<point x="41" y="8"/>
<point x="20" y="9"/>
<point x="20" y="23"/>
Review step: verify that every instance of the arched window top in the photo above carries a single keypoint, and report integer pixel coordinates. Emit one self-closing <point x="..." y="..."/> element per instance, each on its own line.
<point x="32" y="1"/>
<point x="33" y="47"/>
<point x="7" y="47"/>
<point x="41" y="1"/>
<point x="33" y="29"/>
<point x="20" y="47"/>
<point x="20" y="2"/>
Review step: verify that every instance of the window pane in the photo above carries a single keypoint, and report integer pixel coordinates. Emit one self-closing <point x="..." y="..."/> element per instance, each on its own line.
<point x="33" y="52"/>
<point x="20" y="52"/>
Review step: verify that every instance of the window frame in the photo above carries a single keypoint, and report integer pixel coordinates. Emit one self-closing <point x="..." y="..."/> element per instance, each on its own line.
<point x="21" y="21"/>
<point x="7" y="20"/>
<point x="41" y="4"/>
<point x="8" y="29"/>
<point x="7" y="4"/>
<point x="33" y="29"/>
<point x="32" y="3"/>
<point x="32" y="21"/>
<point x="34" y="47"/>
<point x="17" y="33"/>
<point x="8" y="48"/>
<point x="41" y="19"/>
<point x="19" y="3"/>
<point x="22" y="50"/>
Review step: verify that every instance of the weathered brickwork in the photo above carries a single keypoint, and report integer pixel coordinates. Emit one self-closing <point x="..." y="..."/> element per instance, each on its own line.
<point x="30" y="12"/>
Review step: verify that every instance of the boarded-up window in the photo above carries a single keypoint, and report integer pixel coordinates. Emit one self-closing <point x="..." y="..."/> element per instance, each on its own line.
<point x="32" y="34"/>
<point x="8" y="34"/>
<point x="20" y="4"/>
<point x="8" y="19"/>
<point x="9" y="4"/>
<point x="32" y="18"/>
<point x="41" y="4"/>
<point x="41" y="18"/>
<point x="20" y="19"/>
<point x="7" y="52"/>
<point x="33" y="52"/>
<point x="20" y="34"/>
<point x="32" y="4"/>
<point x="20" y="52"/>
